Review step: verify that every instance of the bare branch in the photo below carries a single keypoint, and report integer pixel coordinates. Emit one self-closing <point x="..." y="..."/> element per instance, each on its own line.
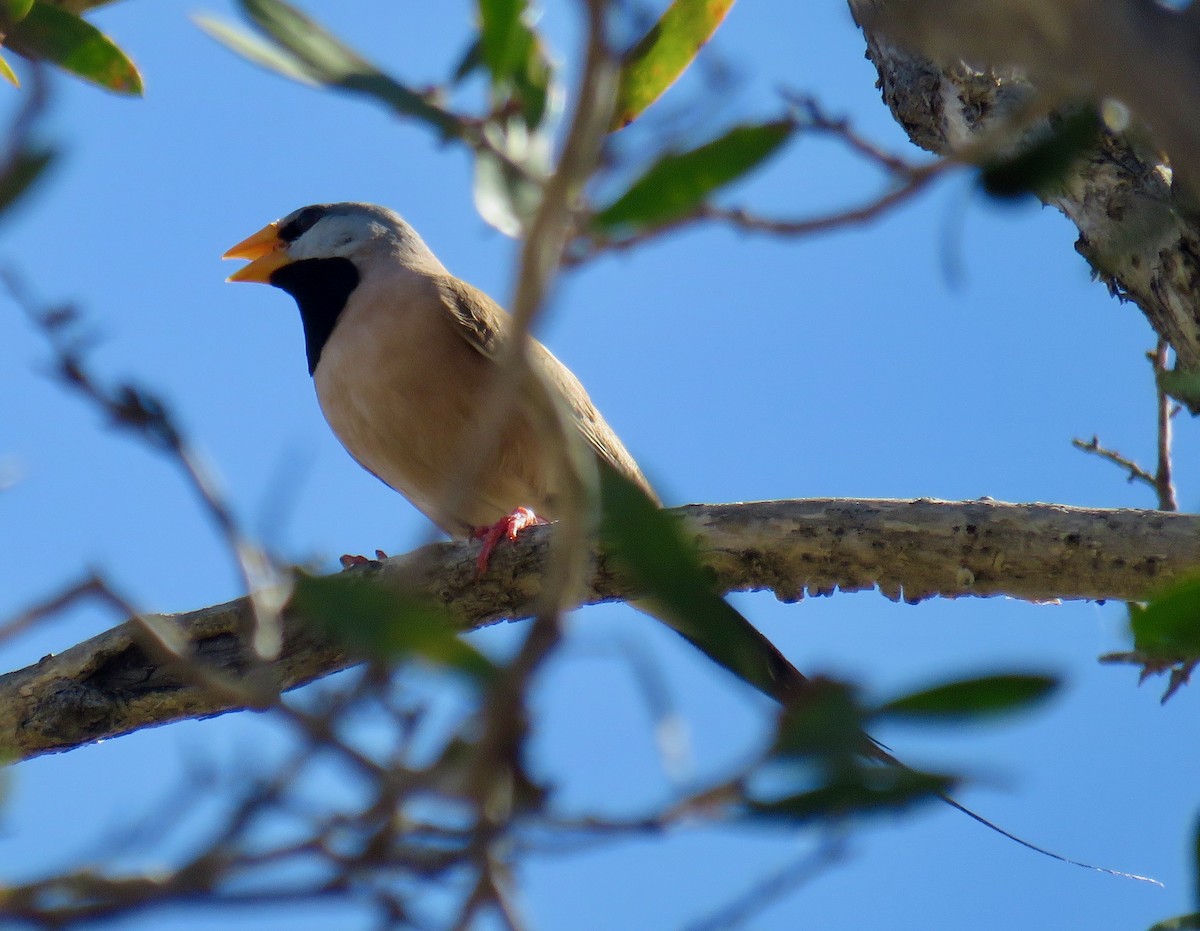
<point x="1137" y="225"/>
<point x="910" y="550"/>
<point x="1164" y="482"/>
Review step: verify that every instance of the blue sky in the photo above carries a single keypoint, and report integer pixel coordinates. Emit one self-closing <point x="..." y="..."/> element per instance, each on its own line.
<point x="734" y="367"/>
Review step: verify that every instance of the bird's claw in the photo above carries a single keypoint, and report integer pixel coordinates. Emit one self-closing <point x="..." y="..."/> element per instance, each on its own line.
<point x="509" y="526"/>
<point x="353" y="562"/>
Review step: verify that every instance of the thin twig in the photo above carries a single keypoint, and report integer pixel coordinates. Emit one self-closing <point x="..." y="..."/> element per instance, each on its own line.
<point x="1163" y="482"/>
<point x="1135" y="473"/>
<point x="146" y="416"/>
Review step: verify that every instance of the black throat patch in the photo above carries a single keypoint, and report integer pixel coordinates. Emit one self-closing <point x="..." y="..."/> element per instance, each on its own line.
<point x="321" y="288"/>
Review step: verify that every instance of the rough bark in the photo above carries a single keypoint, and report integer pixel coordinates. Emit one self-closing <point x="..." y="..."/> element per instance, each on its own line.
<point x="118" y="682"/>
<point x="951" y="69"/>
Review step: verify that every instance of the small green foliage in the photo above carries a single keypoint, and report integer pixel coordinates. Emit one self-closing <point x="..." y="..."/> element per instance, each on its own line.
<point x="13" y="11"/>
<point x="386" y="626"/>
<point x="664" y="53"/>
<point x="515" y="58"/>
<point x="1183" y="384"/>
<point x="301" y="49"/>
<point x="650" y="545"/>
<point x="22" y="172"/>
<point x="678" y="183"/>
<point x="818" y="765"/>
<point x="1168" y="627"/>
<point x="48" y="33"/>
<point x="7" y="73"/>
<point x="1189" y="922"/>
<point x="1042" y="166"/>
<point x="972" y="698"/>
<point x="879" y="789"/>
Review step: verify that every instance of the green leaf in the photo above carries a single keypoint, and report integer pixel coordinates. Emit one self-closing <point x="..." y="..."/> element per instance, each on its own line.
<point x="327" y="60"/>
<point x="676" y="184"/>
<point x="880" y="789"/>
<point x="515" y="58"/>
<point x="50" y="34"/>
<point x="22" y="173"/>
<point x="13" y="11"/>
<point x="826" y="724"/>
<point x="471" y="61"/>
<point x="1041" y="168"/>
<point x="385" y="625"/>
<point x="649" y="544"/>
<point x="973" y="698"/>
<point x="254" y="49"/>
<point x="7" y="72"/>
<point x="664" y="53"/>
<point x="1183" y="384"/>
<point x="500" y="30"/>
<point x="1168" y="626"/>
<point x="1190" y="922"/>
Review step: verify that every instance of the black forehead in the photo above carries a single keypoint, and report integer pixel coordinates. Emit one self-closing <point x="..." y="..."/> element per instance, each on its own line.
<point x="302" y="221"/>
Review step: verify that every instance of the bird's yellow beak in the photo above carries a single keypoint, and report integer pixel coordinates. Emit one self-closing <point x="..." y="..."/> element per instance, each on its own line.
<point x="266" y="251"/>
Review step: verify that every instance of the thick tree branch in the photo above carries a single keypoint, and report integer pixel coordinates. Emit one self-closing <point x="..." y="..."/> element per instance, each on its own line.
<point x="111" y="685"/>
<point x="946" y="80"/>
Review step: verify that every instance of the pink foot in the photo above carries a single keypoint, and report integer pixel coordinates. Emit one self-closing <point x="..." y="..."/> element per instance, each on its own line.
<point x="353" y="562"/>
<point x="509" y="527"/>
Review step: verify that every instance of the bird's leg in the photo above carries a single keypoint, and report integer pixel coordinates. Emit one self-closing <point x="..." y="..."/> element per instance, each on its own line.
<point x="353" y="562"/>
<point x="509" y="527"/>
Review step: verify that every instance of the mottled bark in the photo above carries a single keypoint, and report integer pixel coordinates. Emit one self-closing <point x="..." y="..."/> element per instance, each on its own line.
<point x="120" y="681"/>
<point x="953" y="69"/>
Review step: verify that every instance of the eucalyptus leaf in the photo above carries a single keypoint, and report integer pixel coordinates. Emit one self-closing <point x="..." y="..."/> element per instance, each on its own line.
<point x="1168" y="626"/>
<point x="13" y="11"/>
<point x="879" y="789"/>
<point x="7" y="73"/>
<point x="1042" y="167"/>
<point x="984" y="696"/>
<point x="327" y="60"/>
<point x="383" y="625"/>
<point x="664" y="53"/>
<point x="50" y="34"/>
<point x="20" y="175"/>
<point x="678" y="183"/>
<point x="649" y="544"/>
<point x="253" y="49"/>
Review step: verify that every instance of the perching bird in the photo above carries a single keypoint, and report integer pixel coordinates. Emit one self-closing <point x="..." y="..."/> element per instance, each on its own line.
<point x="402" y="353"/>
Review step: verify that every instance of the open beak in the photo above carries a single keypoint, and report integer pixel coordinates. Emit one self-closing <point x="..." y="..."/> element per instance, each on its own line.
<point x="266" y="252"/>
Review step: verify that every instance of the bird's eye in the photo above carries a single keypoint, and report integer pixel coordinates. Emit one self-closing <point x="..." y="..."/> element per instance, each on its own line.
<point x="300" y="224"/>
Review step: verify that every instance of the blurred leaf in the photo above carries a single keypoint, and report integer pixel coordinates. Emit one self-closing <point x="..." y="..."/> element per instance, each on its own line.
<point x="879" y="789"/>
<point x="500" y="27"/>
<point x="63" y="39"/>
<point x="664" y="53"/>
<point x="515" y="58"/>
<point x="12" y="11"/>
<point x="306" y="47"/>
<point x="471" y="61"/>
<point x="22" y="173"/>
<point x="1042" y="166"/>
<point x="1183" y="384"/>
<point x="7" y="72"/>
<point x="1169" y="625"/>
<point x="677" y="184"/>
<point x="507" y="193"/>
<point x="973" y="698"/>
<point x="1179" y="923"/>
<point x="79" y="6"/>
<point x="254" y="49"/>
<point x="649" y="544"/>
<point x="385" y="625"/>
<point x="827" y="724"/>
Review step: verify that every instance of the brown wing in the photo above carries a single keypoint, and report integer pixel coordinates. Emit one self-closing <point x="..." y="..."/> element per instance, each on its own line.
<point x="483" y="323"/>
